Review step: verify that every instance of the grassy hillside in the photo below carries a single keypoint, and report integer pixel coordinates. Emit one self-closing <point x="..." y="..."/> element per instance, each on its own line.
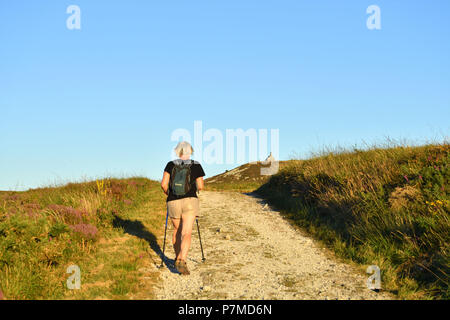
<point x="92" y="225"/>
<point x="384" y="207"/>
<point x="387" y="207"/>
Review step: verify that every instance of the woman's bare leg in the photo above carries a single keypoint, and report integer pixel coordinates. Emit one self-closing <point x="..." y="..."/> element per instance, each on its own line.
<point x="187" y="222"/>
<point x="176" y="237"/>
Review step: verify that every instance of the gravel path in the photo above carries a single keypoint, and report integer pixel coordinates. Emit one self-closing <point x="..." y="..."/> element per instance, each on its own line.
<point x="253" y="253"/>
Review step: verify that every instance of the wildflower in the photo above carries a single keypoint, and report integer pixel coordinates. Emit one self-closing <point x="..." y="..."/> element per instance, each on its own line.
<point x="87" y="231"/>
<point x="420" y="177"/>
<point x="32" y="206"/>
<point x="13" y="197"/>
<point x="406" y="178"/>
<point x="70" y="215"/>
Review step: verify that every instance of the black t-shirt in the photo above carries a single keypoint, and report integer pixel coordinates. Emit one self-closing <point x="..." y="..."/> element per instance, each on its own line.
<point x="196" y="172"/>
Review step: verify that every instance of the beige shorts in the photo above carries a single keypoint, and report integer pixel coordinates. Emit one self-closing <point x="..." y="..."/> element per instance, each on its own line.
<point x="183" y="206"/>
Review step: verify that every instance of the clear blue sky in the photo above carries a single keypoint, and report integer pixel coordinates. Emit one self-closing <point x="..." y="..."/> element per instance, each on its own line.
<point x="105" y="99"/>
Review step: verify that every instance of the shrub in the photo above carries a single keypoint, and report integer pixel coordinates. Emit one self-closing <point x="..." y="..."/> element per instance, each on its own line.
<point x="68" y="214"/>
<point x="57" y="229"/>
<point x="85" y="231"/>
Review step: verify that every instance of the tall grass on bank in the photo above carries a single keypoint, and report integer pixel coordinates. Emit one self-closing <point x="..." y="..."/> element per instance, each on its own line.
<point x="43" y="231"/>
<point x="388" y="207"/>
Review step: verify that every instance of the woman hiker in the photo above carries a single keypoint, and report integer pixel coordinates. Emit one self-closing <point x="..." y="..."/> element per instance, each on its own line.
<point x="182" y="179"/>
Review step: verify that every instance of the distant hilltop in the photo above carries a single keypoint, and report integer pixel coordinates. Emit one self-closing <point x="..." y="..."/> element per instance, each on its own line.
<point x="246" y="174"/>
<point x="270" y="158"/>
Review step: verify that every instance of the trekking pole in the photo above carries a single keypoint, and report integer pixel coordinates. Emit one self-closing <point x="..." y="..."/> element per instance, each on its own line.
<point x="200" y="238"/>
<point x="164" y="245"/>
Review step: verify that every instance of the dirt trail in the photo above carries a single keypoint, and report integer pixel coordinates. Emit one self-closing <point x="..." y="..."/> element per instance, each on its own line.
<point x="253" y="253"/>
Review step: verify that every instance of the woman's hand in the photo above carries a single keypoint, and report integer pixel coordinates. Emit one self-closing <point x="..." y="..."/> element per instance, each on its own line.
<point x="165" y="183"/>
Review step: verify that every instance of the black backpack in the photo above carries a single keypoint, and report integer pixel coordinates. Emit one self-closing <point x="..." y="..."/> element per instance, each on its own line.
<point x="180" y="178"/>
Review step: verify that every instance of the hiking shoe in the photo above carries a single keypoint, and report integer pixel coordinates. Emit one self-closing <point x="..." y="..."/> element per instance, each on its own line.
<point x="182" y="267"/>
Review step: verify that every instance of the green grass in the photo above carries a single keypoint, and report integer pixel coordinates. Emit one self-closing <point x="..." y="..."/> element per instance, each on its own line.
<point x="384" y="206"/>
<point x="43" y="231"/>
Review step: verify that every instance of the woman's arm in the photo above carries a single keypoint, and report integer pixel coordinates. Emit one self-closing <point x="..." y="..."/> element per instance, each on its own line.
<point x="200" y="183"/>
<point x="165" y="182"/>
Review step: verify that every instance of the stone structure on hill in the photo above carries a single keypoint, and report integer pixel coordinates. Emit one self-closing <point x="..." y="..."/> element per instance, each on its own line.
<point x="270" y="158"/>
